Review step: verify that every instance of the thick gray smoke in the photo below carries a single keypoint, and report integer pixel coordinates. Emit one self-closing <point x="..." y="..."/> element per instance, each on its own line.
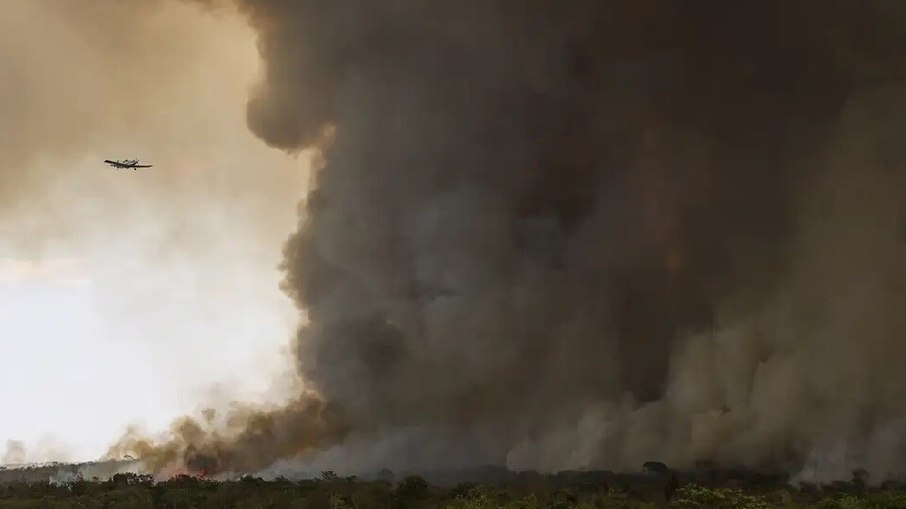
<point x="591" y="234"/>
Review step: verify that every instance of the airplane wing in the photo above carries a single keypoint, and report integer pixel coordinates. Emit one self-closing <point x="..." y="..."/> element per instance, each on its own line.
<point x="142" y="165"/>
<point x="114" y="163"/>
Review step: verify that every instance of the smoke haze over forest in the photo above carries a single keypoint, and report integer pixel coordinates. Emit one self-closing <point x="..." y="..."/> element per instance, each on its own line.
<point x="563" y="235"/>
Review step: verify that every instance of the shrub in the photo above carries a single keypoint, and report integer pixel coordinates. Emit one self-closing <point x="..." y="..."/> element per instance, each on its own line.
<point x="698" y="497"/>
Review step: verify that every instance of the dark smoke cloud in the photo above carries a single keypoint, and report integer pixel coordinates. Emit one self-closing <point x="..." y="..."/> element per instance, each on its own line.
<point x="590" y="234"/>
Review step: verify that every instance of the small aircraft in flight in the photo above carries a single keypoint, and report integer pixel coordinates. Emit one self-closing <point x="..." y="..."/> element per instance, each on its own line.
<point x="126" y="164"/>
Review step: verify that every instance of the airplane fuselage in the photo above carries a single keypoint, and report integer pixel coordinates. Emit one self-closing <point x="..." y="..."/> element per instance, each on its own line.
<point x="127" y="164"/>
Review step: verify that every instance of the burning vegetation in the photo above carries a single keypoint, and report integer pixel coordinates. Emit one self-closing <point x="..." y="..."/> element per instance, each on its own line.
<point x="584" y="234"/>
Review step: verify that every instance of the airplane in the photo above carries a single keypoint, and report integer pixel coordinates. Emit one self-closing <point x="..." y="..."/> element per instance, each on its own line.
<point x="126" y="164"/>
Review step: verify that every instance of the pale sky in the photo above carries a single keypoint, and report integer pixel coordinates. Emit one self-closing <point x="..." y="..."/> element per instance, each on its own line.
<point x="133" y="296"/>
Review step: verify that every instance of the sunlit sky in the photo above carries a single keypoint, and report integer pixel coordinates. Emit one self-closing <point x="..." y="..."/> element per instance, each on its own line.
<point x="132" y="297"/>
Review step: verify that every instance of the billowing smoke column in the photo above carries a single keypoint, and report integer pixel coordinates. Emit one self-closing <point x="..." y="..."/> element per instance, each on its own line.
<point x="590" y="234"/>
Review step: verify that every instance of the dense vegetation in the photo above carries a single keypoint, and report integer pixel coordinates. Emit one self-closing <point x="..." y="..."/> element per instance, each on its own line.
<point x="128" y="491"/>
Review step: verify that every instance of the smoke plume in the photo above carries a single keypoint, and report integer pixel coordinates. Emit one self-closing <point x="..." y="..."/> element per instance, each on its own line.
<point x="47" y="449"/>
<point x="589" y="234"/>
<point x="15" y="453"/>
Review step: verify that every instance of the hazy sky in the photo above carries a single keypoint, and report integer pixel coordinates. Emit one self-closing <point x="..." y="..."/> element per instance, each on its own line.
<point x="129" y="296"/>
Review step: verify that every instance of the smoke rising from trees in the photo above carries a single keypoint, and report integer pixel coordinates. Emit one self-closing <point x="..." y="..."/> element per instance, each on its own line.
<point x="588" y="234"/>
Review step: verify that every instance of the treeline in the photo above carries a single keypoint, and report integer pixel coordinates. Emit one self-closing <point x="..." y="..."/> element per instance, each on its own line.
<point x="134" y="491"/>
<point x="57" y="470"/>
